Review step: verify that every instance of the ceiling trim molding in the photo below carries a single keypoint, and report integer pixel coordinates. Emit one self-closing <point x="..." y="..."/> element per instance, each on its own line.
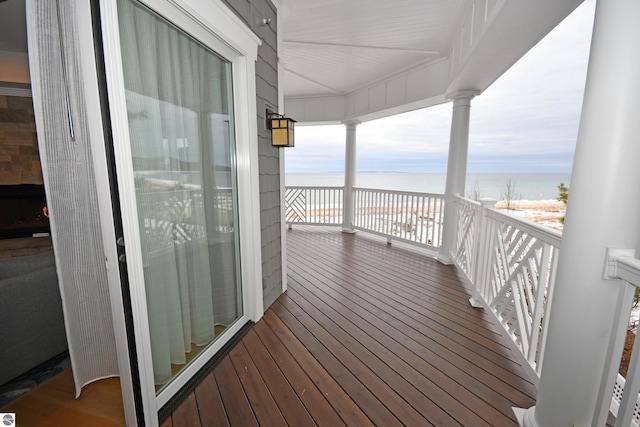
<point x="420" y="52"/>
<point x="416" y="87"/>
<point x="302" y="76"/>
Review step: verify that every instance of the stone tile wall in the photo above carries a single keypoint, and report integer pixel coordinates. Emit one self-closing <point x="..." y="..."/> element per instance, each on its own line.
<point x="19" y="159"/>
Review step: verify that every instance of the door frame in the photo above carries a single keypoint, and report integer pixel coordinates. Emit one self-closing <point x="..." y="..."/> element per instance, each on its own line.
<point x="215" y="25"/>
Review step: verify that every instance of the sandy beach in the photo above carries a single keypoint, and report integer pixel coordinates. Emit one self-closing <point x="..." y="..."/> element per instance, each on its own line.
<point x="545" y="212"/>
<point x="548" y="213"/>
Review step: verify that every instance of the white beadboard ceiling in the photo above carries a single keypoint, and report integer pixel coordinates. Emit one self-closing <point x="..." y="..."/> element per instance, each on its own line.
<point x="364" y="59"/>
<point x="333" y="47"/>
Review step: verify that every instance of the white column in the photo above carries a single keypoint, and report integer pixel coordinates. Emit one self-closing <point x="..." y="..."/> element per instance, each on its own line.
<point x="349" y="177"/>
<point x="456" y="166"/>
<point x="603" y="211"/>
<point x="281" y="14"/>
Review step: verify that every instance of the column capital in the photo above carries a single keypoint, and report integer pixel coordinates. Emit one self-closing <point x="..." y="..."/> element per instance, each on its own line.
<point x="462" y="94"/>
<point x="351" y="122"/>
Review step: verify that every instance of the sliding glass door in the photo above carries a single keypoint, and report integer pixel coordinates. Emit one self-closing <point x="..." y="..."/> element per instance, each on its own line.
<point x="180" y="109"/>
<point x="183" y="115"/>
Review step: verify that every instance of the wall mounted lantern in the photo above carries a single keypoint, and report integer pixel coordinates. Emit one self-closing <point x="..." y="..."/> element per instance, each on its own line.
<point x="281" y="129"/>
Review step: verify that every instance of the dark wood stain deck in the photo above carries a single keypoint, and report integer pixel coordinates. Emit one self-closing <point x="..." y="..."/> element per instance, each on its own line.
<point x="366" y="334"/>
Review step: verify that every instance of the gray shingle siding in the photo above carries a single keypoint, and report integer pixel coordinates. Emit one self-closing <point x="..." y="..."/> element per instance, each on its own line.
<point x="252" y="12"/>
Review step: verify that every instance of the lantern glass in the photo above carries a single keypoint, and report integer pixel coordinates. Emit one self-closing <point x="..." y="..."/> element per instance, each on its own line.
<point x="282" y="133"/>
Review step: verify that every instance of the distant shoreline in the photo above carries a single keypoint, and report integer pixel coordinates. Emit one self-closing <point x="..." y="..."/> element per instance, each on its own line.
<point x="528" y="186"/>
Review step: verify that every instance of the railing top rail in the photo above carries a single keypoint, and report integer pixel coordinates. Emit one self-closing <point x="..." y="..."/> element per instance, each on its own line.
<point x="548" y="235"/>
<point x="628" y="269"/>
<point x="313" y="187"/>
<point x="408" y="193"/>
<point x="461" y="199"/>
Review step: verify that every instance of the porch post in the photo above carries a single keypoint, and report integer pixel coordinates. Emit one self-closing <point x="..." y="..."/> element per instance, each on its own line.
<point x="603" y="211"/>
<point x="456" y="166"/>
<point x="349" y="177"/>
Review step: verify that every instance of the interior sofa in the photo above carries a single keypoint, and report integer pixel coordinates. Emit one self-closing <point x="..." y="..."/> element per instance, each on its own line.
<point x="31" y="320"/>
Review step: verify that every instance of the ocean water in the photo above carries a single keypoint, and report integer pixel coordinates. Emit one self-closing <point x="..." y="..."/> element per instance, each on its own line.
<point x="526" y="186"/>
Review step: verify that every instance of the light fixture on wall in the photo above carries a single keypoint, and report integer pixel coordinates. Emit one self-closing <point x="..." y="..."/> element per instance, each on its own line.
<point x="282" y="134"/>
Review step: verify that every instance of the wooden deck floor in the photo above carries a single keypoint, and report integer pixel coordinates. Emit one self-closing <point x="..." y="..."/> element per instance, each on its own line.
<point x="367" y="334"/>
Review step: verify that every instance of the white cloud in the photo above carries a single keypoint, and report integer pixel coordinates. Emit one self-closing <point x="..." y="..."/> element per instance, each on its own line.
<point x="534" y="108"/>
<point x="528" y="117"/>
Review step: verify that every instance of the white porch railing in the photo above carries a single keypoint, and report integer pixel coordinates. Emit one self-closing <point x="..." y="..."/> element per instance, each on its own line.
<point x="314" y="205"/>
<point x="414" y="218"/>
<point x="465" y="247"/>
<point x="511" y="264"/>
<point x="625" y="404"/>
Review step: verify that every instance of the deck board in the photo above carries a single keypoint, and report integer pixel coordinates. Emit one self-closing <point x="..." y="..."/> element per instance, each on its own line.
<point x="367" y="334"/>
<point x="210" y="406"/>
<point x="344" y="406"/>
<point x="370" y="291"/>
<point x="309" y="394"/>
<point x="234" y="399"/>
<point x="434" y="376"/>
<point x="286" y="399"/>
<point x="251" y="376"/>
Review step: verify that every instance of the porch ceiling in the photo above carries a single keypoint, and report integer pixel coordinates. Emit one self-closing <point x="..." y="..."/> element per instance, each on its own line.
<point x="333" y="47"/>
<point x="364" y="59"/>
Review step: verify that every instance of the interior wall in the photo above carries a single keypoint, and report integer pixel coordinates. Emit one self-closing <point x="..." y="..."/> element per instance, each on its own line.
<point x="19" y="159"/>
<point x="14" y="67"/>
<point x="252" y="12"/>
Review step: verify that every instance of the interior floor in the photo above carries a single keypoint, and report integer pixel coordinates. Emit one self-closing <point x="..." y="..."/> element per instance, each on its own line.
<point x="54" y="404"/>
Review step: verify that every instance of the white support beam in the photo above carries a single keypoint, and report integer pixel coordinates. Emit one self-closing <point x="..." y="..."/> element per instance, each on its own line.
<point x="283" y="8"/>
<point x="602" y="212"/>
<point x="456" y="167"/>
<point x="349" y="177"/>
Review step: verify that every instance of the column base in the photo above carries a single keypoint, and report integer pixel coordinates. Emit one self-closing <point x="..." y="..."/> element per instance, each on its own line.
<point x="444" y="260"/>
<point x="526" y="417"/>
<point x="475" y="303"/>
<point x="349" y="230"/>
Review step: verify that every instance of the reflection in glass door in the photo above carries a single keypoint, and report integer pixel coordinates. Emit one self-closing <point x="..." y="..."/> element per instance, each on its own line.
<point x="180" y="112"/>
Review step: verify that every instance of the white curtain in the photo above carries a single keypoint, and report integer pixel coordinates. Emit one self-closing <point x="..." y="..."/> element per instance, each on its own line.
<point x="180" y="118"/>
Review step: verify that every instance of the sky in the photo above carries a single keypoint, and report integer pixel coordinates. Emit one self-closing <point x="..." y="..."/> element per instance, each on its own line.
<point x="527" y="121"/>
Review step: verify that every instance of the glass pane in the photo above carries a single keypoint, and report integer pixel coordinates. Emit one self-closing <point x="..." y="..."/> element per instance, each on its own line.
<point x="180" y="108"/>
